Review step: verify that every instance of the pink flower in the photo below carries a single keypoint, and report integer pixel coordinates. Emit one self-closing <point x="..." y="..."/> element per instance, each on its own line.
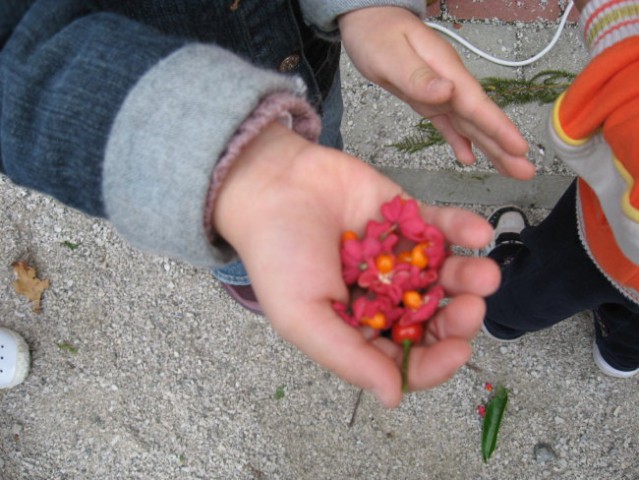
<point x="415" y="278"/>
<point x="368" y="306"/>
<point x="354" y="254"/>
<point x="430" y="304"/>
<point x="344" y="312"/>
<point x="385" y="284"/>
<point x="436" y="250"/>
<point x="384" y="232"/>
<point x="406" y="215"/>
<point x="393" y="272"/>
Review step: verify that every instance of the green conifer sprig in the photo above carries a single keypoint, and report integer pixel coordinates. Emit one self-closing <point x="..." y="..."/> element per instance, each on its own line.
<point x="544" y="87"/>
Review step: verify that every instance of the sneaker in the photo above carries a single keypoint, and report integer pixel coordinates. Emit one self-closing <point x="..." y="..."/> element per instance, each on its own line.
<point x="494" y="336"/>
<point x="508" y="223"/>
<point x="608" y="369"/>
<point x="14" y="358"/>
<point x="245" y="296"/>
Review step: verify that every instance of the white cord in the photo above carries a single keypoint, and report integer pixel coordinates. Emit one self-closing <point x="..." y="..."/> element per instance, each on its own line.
<point x="499" y="61"/>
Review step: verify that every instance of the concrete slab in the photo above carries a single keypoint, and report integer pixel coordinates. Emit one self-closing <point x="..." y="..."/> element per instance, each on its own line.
<point x="484" y="188"/>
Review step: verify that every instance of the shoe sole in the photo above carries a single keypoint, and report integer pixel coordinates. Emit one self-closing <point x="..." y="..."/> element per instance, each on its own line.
<point x="605" y="366"/>
<point x="500" y="340"/>
<point x="251" y="305"/>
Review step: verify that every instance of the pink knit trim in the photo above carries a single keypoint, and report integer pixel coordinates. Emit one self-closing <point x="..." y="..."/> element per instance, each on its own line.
<point x="277" y="106"/>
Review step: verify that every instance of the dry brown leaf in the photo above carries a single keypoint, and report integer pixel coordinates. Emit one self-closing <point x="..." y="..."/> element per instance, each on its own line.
<point x="28" y="283"/>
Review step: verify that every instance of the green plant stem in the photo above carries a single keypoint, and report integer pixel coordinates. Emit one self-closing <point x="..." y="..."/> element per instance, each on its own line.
<point x="406" y="346"/>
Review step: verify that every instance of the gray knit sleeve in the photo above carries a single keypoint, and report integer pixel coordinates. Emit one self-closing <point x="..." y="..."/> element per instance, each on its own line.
<point x="171" y="131"/>
<point x="322" y="14"/>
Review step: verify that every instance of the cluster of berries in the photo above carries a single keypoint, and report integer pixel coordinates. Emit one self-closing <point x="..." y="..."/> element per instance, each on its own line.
<point x="393" y="273"/>
<point x="481" y="409"/>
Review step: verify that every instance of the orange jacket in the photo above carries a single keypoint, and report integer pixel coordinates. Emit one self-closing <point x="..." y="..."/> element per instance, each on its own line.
<point x="595" y="126"/>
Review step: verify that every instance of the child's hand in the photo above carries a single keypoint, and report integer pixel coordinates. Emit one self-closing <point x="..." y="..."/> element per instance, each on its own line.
<point x="284" y="206"/>
<point x="393" y="48"/>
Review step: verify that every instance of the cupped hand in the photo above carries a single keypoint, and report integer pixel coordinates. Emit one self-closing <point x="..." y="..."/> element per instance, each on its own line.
<point x="284" y="207"/>
<point x="393" y="48"/>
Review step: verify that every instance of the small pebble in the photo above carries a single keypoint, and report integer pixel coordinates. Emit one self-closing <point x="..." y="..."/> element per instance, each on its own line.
<point x="544" y="453"/>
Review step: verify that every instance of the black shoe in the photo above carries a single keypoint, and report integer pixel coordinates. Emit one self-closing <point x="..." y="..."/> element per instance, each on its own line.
<point x="508" y="223"/>
<point x="500" y="337"/>
<point x="599" y="354"/>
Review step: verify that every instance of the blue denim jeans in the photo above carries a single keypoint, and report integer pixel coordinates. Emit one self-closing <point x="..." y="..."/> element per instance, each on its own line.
<point x="552" y="278"/>
<point x="331" y="136"/>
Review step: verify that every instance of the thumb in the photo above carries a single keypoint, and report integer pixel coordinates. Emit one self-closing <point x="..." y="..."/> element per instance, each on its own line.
<point x="426" y="86"/>
<point x="328" y="340"/>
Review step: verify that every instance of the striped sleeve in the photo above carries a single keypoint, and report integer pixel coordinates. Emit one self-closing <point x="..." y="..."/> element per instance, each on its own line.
<point x="605" y="23"/>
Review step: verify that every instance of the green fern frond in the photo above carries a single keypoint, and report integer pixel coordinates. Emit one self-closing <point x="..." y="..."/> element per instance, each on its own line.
<point x="427" y="136"/>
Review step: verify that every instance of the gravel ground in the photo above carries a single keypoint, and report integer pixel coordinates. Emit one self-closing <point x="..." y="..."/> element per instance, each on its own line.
<point x="143" y="368"/>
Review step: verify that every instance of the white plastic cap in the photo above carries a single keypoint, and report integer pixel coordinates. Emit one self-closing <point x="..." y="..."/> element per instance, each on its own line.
<point x="14" y="358"/>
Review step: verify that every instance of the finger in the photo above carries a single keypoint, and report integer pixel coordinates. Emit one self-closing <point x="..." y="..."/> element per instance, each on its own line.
<point x="461" y="318"/>
<point x="340" y="348"/>
<point x="430" y="366"/>
<point x="459" y="226"/>
<point x="478" y="276"/>
<point x="485" y="118"/>
<point x="408" y="77"/>
<point x="470" y="102"/>
<point x="494" y="144"/>
<point x="461" y="145"/>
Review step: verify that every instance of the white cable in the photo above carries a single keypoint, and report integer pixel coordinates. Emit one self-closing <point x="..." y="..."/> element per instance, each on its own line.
<point x="499" y="61"/>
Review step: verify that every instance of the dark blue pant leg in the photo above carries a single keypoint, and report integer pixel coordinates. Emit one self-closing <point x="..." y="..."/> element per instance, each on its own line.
<point x="552" y="278"/>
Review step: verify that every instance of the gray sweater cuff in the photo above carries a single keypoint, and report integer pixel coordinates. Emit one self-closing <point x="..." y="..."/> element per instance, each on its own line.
<point x="172" y="128"/>
<point x="322" y="14"/>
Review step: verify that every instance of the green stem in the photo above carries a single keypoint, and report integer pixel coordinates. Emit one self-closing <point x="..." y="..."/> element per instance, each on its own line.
<point x="406" y="344"/>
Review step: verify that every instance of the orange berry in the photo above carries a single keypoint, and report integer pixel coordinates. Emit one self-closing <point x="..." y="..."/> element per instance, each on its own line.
<point x="412" y="299"/>
<point x="404" y="257"/>
<point x="377" y="321"/>
<point x="385" y="262"/>
<point x="348" y="235"/>
<point x="418" y="256"/>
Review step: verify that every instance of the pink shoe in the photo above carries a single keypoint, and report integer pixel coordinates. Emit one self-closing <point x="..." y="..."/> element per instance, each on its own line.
<point x="245" y="296"/>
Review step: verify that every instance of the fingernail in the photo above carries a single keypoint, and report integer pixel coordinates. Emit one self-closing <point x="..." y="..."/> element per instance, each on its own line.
<point x="385" y="398"/>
